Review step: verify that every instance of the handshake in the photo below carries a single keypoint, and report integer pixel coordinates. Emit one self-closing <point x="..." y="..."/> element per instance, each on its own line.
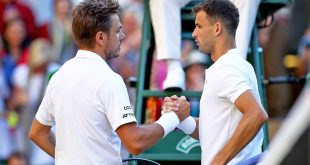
<point x="175" y="114"/>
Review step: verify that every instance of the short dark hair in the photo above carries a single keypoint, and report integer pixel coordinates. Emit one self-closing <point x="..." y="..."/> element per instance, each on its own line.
<point x="91" y="16"/>
<point x="222" y="10"/>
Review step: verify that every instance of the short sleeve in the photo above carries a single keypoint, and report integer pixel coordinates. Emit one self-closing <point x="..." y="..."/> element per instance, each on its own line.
<point x="235" y="82"/>
<point x="44" y="114"/>
<point x="116" y="103"/>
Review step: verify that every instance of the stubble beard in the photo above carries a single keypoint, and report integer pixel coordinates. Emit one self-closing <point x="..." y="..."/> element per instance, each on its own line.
<point x="113" y="54"/>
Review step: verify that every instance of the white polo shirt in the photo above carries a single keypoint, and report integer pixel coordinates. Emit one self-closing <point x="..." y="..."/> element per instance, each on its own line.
<point x="87" y="102"/>
<point x="226" y="80"/>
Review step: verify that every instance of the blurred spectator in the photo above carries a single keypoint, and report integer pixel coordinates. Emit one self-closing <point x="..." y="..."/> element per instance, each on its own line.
<point x="13" y="54"/>
<point x="291" y="142"/>
<point x="17" y="158"/>
<point x="14" y="50"/>
<point x="29" y="85"/>
<point x="59" y="32"/>
<point x="134" y="6"/>
<point x="12" y="8"/>
<point x="194" y="65"/>
<point x="289" y="137"/>
<point x="273" y="41"/>
<point x="299" y="22"/>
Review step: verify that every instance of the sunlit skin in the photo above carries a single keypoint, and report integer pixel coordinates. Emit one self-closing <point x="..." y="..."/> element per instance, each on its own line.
<point x="108" y="44"/>
<point x="211" y="36"/>
<point x="114" y="38"/>
<point x="203" y="33"/>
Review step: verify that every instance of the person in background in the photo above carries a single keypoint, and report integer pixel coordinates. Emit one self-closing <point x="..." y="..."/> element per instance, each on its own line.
<point x="13" y="8"/>
<point x="13" y="54"/>
<point x="17" y="158"/>
<point x="194" y="66"/>
<point x="15" y="47"/>
<point x="60" y="32"/>
<point x="30" y="81"/>
<point x="289" y="134"/>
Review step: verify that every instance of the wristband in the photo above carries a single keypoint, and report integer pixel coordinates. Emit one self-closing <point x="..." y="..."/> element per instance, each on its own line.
<point x="168" y="121"/>
<point x="188" y="125"/>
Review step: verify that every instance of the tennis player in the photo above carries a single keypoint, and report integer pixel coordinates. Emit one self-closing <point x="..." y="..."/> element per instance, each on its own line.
<point x="231" y="114"/>
<point x="88" y="103"/>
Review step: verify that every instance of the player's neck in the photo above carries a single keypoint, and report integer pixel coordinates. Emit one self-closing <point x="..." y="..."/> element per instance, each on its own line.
<point x="97" y="51"/>
<point x="222" y="47"/>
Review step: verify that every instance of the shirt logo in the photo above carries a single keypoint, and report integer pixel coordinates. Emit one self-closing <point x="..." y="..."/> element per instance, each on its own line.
<point x="127" y="107"/>
<point x="128" y="114"/>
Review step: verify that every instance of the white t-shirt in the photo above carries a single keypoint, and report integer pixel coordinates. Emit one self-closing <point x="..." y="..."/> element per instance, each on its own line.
<point x="87" y="102"/>
<point x="226" y="80"/>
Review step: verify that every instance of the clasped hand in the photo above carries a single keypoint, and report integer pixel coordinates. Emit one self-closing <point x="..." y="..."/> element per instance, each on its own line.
<point x="178" y="105"/>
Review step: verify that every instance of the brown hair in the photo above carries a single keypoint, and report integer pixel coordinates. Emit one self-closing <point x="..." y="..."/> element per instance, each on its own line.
<point x="222" y="10"/>
<point x="91" y="16"/>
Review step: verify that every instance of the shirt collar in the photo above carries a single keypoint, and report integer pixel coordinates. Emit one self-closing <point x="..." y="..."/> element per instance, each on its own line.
<point x="233" y="51"/>
<point x="230" y="52"/>
<point x="90" y="55"/>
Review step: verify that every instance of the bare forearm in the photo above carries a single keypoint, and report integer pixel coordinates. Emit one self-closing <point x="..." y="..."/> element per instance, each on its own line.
<point x="245" y="132"/>
<point x="195" y="134"/>
<point x="43" y="137"/>
<point x="46" y="143"/>
<point x="139" y="138"/>
<point x="150" y="135"/>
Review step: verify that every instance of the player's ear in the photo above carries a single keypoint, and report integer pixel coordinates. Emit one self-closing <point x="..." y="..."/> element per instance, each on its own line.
<point x="217" y="28"/>
<point x="101" y="38"/>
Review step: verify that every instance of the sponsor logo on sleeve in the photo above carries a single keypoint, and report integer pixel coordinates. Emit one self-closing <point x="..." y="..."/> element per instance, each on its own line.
<point x="129" y="112"/>
<point x="127" y="107"/>
<point x="127" y="115"/>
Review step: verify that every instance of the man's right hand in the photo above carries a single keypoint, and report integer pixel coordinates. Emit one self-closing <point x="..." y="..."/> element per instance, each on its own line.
<point x="179" y="105"/>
